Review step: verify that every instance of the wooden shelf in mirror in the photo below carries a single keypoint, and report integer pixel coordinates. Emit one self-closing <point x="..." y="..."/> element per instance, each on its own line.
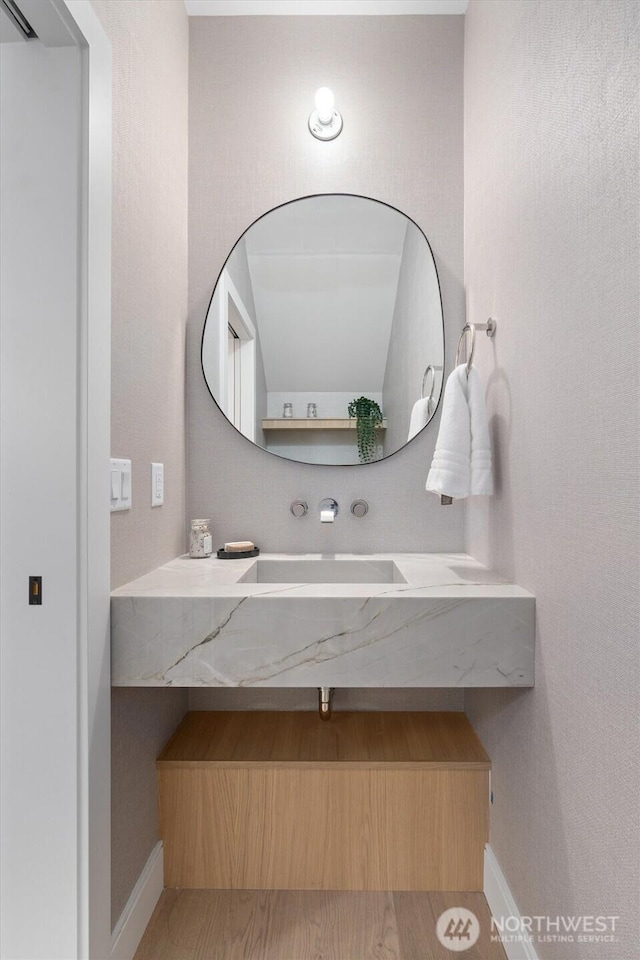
<point x="313" y="423"/>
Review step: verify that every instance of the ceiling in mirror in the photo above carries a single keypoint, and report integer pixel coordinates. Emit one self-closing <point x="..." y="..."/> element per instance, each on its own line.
<point x="324" y="336"/>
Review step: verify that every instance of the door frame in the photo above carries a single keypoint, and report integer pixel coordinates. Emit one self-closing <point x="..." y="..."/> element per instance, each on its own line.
<point x="246" y="331"/>
<point x="94" y="446"/>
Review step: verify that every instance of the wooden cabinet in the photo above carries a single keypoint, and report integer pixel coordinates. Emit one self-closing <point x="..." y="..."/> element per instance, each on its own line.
<point x="366" y="801"/>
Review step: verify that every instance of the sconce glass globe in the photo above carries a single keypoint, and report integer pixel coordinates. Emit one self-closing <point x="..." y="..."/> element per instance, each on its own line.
<point x="325" y="123"/>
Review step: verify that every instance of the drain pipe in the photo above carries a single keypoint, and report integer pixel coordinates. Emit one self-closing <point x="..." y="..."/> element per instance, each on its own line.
<point x="325" y="702"/>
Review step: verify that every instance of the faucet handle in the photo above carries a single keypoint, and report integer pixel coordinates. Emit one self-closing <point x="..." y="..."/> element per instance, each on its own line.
<point x="328" y="510"/>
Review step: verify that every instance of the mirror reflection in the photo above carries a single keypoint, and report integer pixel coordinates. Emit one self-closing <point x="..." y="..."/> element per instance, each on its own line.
<point x="324" y="336"/>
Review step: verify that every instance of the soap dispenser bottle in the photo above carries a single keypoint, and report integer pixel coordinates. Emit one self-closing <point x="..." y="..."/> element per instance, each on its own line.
<point x="201" y="541"/>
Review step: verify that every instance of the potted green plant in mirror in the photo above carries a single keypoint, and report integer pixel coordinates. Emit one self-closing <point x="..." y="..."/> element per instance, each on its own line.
<point x="368" y="417"/>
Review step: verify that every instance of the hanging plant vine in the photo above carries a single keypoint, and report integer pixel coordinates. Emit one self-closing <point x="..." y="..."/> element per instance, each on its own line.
<point x="368" y="417"/>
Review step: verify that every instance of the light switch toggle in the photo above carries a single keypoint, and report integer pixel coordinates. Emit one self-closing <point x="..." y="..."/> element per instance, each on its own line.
<point x="120" y="487"/>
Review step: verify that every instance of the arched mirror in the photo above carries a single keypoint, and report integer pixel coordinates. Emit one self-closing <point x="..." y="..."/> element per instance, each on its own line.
<point x="324" y="338"/>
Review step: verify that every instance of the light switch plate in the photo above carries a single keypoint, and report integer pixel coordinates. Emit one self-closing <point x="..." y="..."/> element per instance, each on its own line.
<point x="120" y="485"/>
<point x="157" y="484"/>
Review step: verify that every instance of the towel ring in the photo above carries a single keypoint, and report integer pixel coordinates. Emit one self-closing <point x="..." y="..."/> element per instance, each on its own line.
<point x="469" y="350"/>
<point x="430" y="369"/>
<point x="489" y="327"/>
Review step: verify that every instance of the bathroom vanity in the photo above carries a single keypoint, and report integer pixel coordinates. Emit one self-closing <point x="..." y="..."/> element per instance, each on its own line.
<point x="367" y="801"/>
<point x="384" y="620"/>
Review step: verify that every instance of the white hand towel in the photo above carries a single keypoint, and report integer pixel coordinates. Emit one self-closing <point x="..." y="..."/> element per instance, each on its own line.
<point x="461" y="464"/>
<point x="481" y="465"/>
<point x="419" y="416"/>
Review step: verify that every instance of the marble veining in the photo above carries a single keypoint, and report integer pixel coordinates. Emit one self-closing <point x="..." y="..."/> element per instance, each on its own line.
<point x="452" y="622"/>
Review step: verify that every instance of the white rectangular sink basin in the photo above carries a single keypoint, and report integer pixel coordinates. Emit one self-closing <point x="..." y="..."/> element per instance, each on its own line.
<point x="323" y="571"/>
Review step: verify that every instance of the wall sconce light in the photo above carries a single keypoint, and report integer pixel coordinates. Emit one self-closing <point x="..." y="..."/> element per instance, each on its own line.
<point x="325" y="123"/>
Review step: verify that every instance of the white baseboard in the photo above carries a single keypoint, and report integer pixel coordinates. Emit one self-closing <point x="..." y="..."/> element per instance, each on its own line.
<point x="502" y="904"/>
<point x="133" y="921"/>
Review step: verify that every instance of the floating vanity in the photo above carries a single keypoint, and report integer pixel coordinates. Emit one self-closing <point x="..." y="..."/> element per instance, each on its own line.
<point x="382" y="620"/>
<point x="369" y="801"/>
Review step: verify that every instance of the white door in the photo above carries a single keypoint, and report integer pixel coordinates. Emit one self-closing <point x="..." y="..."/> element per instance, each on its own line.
<point x="54" y="739"/>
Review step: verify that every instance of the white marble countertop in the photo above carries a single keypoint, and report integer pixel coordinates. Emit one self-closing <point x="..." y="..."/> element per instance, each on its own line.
<point x="449" y="622"/>
<point x="447" y="575"/>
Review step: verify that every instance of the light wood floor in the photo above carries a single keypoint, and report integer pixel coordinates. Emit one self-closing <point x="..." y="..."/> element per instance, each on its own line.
<point x="307" y="925"/>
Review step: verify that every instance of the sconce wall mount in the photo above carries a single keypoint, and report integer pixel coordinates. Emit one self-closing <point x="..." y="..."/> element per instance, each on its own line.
<point x="325" y="123"/>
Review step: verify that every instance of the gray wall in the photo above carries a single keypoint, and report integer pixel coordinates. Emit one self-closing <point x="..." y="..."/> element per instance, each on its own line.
<point x="142" y="720"/>
<point x="287" y="698"/>
<point x="398" y="83"/>
<point x="416" y="338"/>
<point x="150" y="46"/>
<point x="150" y="49"/>
<point x="551" y="251"/>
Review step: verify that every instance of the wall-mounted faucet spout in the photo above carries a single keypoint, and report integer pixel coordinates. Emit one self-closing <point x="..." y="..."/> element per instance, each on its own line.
<point x="328" y="510"/>
<point x="325" y="702"/>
